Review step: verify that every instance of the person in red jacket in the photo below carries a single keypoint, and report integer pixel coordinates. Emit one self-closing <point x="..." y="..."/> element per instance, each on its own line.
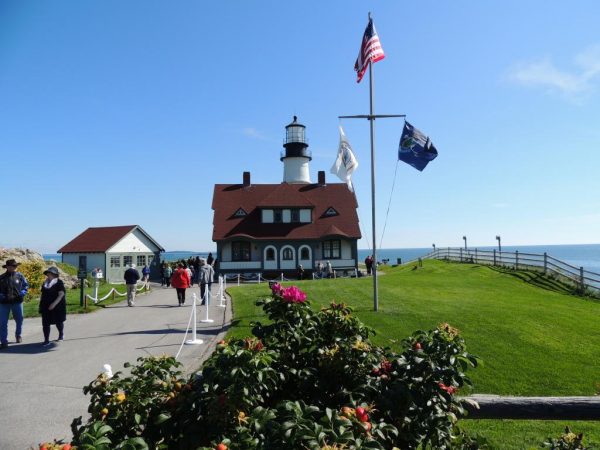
<point x="180" y="280"/>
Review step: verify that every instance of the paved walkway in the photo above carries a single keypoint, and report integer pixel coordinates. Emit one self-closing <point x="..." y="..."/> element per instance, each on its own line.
<point x="41" y="387"/>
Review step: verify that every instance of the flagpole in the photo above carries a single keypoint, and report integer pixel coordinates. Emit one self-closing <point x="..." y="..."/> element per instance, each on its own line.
<point x="372" y="127"/>
<point x="371" y="117"/>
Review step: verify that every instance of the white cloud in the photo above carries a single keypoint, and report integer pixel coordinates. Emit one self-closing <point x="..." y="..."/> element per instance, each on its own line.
<point x="253" y="133"/>
<point x="573" y="84"/>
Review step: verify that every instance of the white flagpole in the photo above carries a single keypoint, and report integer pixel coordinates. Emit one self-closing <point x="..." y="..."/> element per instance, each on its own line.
<point x="372" y="127"/>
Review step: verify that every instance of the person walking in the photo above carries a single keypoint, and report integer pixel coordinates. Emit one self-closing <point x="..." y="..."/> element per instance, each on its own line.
<point x="131" y="277"/>
<point x="210" y="259"/>
<point x="369" y="264"/>
<point x="53" y="304"/>
<point x="167" y="272"/>
<point x="146" y="274"/>
<point x="13" y="289"/>
<point x="205" y="278"/>
<point x="180" y="280"/>
<point x="300" y="272"/>
<point x="329" y="270"/>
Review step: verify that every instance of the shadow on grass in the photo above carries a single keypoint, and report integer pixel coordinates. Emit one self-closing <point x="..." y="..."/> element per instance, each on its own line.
<point x="538" y="280"/>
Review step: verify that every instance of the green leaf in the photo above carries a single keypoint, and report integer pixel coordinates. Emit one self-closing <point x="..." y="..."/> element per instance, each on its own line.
<point x="163" y="417"/>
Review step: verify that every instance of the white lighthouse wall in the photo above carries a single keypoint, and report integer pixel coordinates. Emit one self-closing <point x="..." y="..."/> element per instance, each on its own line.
<point x="295" y="170"/>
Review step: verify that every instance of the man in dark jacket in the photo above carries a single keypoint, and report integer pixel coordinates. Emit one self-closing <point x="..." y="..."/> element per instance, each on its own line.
<point x="13" y="288"/>
<point x="131" y="277"/>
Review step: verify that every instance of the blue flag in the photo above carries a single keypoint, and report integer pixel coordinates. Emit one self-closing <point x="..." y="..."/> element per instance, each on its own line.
<point x="416" y="149"/>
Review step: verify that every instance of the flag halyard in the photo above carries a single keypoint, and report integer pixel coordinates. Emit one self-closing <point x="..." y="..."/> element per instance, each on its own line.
<point x="371" y="51"/>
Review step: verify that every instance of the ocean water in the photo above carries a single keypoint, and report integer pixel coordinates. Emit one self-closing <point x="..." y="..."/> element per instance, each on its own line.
<point x="586" y="256"/>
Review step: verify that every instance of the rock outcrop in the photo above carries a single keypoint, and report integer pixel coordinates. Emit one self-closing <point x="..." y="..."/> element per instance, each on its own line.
<point x="24" y="255"/>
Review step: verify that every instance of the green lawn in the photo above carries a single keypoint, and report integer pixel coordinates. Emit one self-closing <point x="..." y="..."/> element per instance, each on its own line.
<point x="30" y="308"/>
<point x="532" y="335"/>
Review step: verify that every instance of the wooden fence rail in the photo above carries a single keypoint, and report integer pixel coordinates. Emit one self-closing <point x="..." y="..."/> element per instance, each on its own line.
<point x="534" y="408"/>
<point x="583" y="280"/>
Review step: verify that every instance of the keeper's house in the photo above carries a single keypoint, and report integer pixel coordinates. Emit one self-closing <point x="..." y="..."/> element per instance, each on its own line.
<point x="274" y="228"/>
<point x="113" y="249"/>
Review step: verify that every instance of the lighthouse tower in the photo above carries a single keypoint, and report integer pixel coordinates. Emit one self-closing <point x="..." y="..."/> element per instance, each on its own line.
<point x="296" y="155"/>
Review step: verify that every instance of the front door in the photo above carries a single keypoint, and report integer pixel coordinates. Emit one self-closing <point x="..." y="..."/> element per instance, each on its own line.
<point x="115" y="270"/>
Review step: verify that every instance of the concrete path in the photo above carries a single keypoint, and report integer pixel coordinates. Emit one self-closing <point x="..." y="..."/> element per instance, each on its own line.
<point x="41" y="387"/>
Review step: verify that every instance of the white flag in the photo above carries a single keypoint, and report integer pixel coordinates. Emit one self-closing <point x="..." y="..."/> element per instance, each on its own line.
<point x="346" y="162"/>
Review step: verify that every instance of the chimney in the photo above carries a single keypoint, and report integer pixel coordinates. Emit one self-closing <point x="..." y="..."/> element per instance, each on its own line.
<point x="321" y="178"/>
<point x="246" y="182"/>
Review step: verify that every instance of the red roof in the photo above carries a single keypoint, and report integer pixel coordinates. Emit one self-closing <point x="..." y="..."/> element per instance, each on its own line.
<point x="228" y="198"/>
<point x="100" y="239"/>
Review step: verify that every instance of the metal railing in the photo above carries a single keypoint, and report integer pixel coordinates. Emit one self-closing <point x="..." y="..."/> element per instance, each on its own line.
<point x="583" y="280"/>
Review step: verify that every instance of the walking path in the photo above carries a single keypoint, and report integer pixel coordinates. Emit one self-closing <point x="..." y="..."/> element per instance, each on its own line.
<point x="41" y="387"/>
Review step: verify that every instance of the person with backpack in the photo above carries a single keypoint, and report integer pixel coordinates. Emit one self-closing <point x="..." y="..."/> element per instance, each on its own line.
<point x="180" y="280"/>
<point x="13" y="289"/>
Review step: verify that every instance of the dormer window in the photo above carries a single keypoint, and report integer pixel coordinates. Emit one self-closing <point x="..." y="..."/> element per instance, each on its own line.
<point x="331" y="212"/>
<point x="240" y="213"/>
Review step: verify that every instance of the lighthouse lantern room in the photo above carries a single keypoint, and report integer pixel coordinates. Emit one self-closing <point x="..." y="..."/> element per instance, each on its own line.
<point x="296" y="155"/>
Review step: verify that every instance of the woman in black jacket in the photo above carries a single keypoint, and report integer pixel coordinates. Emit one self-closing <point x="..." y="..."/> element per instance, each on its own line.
<point x="53" y="304"/>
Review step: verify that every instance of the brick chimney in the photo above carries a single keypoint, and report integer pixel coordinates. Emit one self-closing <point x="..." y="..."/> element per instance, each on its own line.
<point x="321" y="177"/>
<point x="246" y="181"/>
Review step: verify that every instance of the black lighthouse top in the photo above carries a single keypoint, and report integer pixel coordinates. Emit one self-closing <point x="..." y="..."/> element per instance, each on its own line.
<point x="295" y="143"/>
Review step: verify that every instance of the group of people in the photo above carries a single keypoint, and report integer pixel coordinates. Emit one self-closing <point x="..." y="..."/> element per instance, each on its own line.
<point x="325" y="270"/>
<point x="183" y="278"/>
<point x="53" y="304"/>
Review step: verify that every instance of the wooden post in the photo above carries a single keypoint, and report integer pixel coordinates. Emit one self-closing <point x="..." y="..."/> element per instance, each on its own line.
<point x="581" y="280"/>
<point x="476" y="261"/>
<point x="113" y="293"/>
<point x="494" y="257"/>
<point x="545" y="263"/>
<point x="461" y="254"/>
<point x="534" y="408"/>
<point x="516" y="259"/>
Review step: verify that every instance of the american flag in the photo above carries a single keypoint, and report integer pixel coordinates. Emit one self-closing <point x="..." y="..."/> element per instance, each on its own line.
<point x="370" y="51"/>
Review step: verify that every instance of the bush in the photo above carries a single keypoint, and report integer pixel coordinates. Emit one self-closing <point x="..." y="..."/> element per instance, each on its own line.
<point x="33" y="271"/>
<point x="567" y="441"/>
<point x="304" y="380"/>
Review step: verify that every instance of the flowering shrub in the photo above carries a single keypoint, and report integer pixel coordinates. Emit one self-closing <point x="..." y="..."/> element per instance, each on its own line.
<point x="305" y="380"/>
<point x="567" y="441"/>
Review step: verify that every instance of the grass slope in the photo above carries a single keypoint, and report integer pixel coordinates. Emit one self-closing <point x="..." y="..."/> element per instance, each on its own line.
<point x="533" y="336"/>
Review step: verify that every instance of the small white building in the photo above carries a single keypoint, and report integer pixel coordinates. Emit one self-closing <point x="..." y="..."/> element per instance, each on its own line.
<point x="113" y="250"/>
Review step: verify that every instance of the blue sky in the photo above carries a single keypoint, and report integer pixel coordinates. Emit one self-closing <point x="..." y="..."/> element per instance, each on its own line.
<point x="115" y="113"/>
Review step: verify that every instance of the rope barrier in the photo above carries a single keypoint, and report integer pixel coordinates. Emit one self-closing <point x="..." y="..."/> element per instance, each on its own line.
<point x="113" y="290"/>
<point x="192" y="315"/>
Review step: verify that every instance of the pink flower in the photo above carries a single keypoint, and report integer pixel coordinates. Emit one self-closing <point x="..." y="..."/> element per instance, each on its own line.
<point x="276" y="289"/>
<point x="449" y="389"/>
<point x="293" y="295"/>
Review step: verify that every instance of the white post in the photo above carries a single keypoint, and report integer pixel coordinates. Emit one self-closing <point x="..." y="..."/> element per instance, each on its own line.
<point x="221" y="293"/>
<point x="355" y="272"/>
<point x="206" y="304"/>
<point x="238" y="279"/>
<point x="194" y="340"/>
<point x="313" y="274"/>
<point x="281" y="276"/>
<point x="96" y="284"/>
<point x="224" y="281"/>
<point x="334" y="274"/>
<point x="258" y="277"/>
